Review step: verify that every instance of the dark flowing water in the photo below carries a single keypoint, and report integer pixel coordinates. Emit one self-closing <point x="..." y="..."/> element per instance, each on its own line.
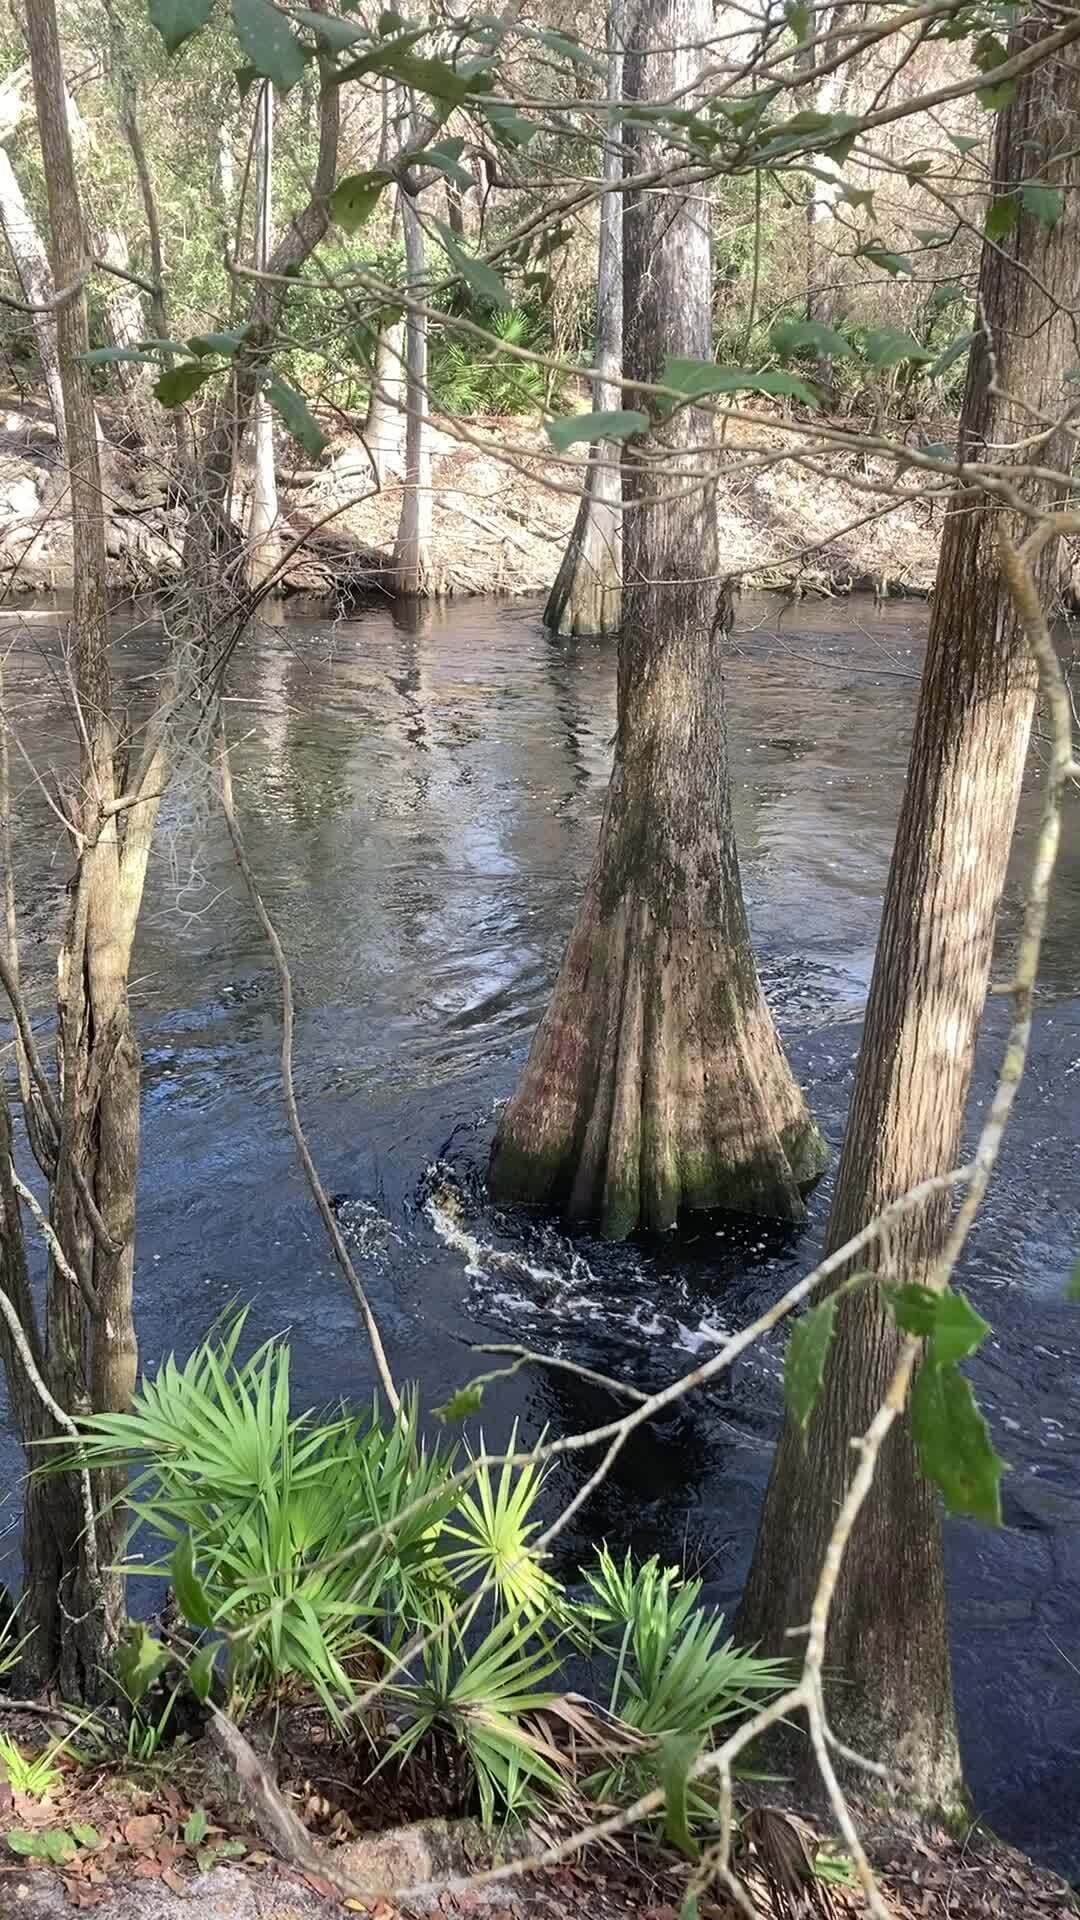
<point x="421" y="795"/>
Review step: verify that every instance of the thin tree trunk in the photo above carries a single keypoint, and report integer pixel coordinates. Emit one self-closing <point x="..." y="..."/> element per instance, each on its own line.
<point x="97" y="1047"/>
<point x="414" y="569"/>
<point x="656" y="1081"/>
<point x="384" y="422"/>
<point x="887" y="1652"/>
<point x="31" y="264"/>
<point x="587" y="595"/>
<point x="122" y="310"/>
<point x="262" y="525"/>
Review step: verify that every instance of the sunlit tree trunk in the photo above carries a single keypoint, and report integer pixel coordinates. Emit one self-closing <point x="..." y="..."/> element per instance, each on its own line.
<point x="587" y="595"/>
<point x="384" y="423"/>
<point x="31" y="263"/>
<point x="414" y="569"/>
<point x="656" y="1081"/>
<point x="262" y="524"/>
<point x="887" y="1658"/>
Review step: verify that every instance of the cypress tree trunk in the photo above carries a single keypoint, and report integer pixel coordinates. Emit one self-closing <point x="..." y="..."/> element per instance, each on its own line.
<point x="31" y="264"/>
<point x="656" y="1081"/>
<point x="413" y="566"/>
<point x="887" y="1651"/>
<point x="385" y="418"/>
<point x="587" y="595"/>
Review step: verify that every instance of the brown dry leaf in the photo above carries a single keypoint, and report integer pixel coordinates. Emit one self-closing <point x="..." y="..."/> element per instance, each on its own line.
<point x="143" y="1830"/>
<point x="318" y="1885"/>
<point x="146" y="1867"/>
<point x="171" y="1879"/>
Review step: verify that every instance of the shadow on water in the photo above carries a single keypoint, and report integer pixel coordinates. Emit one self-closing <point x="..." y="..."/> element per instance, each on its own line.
<point x="421" y="792"/>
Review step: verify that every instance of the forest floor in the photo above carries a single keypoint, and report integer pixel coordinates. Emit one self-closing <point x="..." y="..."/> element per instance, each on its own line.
<point x="503" y="507"/>
<point x="177" y="1836"/>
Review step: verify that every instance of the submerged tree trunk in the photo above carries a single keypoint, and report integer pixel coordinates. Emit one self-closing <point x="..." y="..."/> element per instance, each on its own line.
<point x="414" y="568"/>
<point x="587" y="595"/>
<point x="656" y="1081"/>
<point x="890" y="1693"/>
<point x="262" y="523"/>
<point x="31" y="264"/>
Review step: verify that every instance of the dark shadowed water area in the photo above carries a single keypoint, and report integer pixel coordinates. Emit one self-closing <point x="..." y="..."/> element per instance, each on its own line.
<point x="421" y="793"/>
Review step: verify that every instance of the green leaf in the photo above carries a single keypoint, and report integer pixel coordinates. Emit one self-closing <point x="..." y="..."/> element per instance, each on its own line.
<point x="245" y="79"/>
<point x="995" y="97"/>
<point x="616" y="425"/>
<point x="1001" y="216"/>
<point x="945" y="1319"/>
<point x="389" y="23"/>
<point x="565" y="44"/>
<point x="179" y="383"/>
<point x="955" y="350"/>
<point x="799" y="336"/>
<point x="269" y="42"/>
<point x="508" y="122"/>
<point x="355" y="198"/>
<point x="195" y="1827"/>
<point x="334" y="32"/>
<point x="1046" y="203"/>
<point x="690" y="1909"/>
<point x="964" y="143"/>
<point x="932" y="237"/>
<point x="57" y="1845"/>
<point x="482" y="279"/>
<point x="858" y="197"/>
<point x="953" y="1444"/>
<point x="188" y="1589"/>
<point x="1072" y="1291"/>
<point x="943" y="297"/>
<point x="223" y="343"/>
<point x="201" y="1670"/>
<point x="294" y="410"/>
<point x="678" y="1751"/>
<point x="107" y="356"/>
<point x="86" y="1836"/>
<point x="230" y="1849"/>
<point x="798" y="16"/>
<point x="446" y="157"/>
<point x="178" y="20"/>
<point x="31" y="1844"/>
<point x="139" y="1660"/>
<point x="891" y="347"/>
<point x="804" y="1362"/>
<point x="894" y="263"/>
<point x="461" y="1404"/>
<point x="697" y="378"/>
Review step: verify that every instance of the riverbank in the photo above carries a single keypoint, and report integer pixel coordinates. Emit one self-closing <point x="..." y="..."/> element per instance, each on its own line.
<point x="502" y="510"/>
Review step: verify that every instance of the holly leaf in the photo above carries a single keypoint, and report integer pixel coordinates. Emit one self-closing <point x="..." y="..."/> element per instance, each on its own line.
<point x="334" y="33"/>
<point x="355" y="198"/>
<point x="460" y="1404"/>
<point x="139" y="1660"/>
<point x="228" y="343"/>
<point x="616" y="425"/>
<point x="179" y="383"/>
<point x="804" y="1362"/>
<point x="188" y="1589"/>
<point x="891" y="347"/>
<point x="179" y="20"/>
<point x="886" y="259"/>
<point x="955" y="350"/>
<point x="1001" y="216"/>
<point x="946" y="1320"/>
<point x="446" y="157"/>
<point x="1046" y="203"/>
<point x="303" y="426"/>
<point x="800" y="336"/>
<point x="201" y="1670"/>
<point x="698" y="378"/>
<point x="482" y="279"/>
<point x="269" y="42"/>
<point x="108" y="356"/>
<point x="953" y="1444"/>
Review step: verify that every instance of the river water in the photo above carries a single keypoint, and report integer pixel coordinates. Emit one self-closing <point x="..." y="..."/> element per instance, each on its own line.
<point x="421" y="793"/>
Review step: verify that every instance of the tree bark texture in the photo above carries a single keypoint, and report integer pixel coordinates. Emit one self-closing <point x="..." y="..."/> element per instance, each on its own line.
<point x="414" y="569"/>
<point x="262" y="523"/>
<point x="587" y="594"/>
<point x="31" y="263"/>
<point x="88" y="1364"/>
<point x="887" y="1653"/>
<point x="656" y="1081"/>
<point x="384" y="423"/>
